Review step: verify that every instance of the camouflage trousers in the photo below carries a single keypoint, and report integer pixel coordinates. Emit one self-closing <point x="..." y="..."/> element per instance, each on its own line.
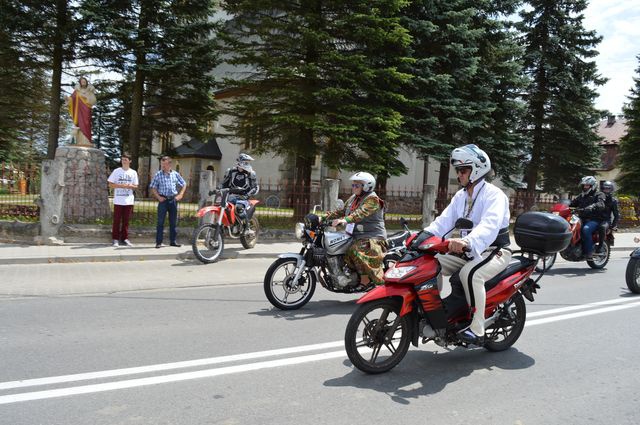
<point x="365" y="256"/>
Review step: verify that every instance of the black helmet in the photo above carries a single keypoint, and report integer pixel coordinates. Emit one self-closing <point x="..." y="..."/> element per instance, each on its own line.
<point x="608" y="187"/>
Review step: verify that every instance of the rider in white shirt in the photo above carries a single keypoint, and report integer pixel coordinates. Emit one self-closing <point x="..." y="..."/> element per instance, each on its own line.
<point x="488" y="208"/>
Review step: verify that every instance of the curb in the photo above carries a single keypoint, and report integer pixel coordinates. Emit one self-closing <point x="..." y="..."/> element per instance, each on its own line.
<point x="182" y="256"/>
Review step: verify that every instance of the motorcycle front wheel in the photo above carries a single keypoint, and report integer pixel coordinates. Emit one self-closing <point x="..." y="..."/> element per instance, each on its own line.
<point x="600" y="259"/>
<point x="508" y="327"/>
<point x="207" y="244"/>
<point x="249" y="241"/>
<point x="633" y="275"/>
<point x="377" y="337"/>
<point x="282" y="291"/>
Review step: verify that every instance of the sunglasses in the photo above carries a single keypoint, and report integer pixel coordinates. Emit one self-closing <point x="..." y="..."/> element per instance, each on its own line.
<point x="463" y="170"/>
<point x="355" y="185"/>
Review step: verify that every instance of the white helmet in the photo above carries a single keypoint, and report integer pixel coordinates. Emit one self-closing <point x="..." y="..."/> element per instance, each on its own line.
<point x="243" y="162"/>
<point x="474" y="157"/>
<point x="588" y="181"/>
<point x="369" y="182"/>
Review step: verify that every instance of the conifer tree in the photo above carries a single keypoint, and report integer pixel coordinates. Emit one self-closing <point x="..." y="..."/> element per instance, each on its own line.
<point x="561" y="116"/>
<point x="318" y="77"/>
<point x="466" y="80"/>
<point x="165" y="49"/>
<point x="24" y="93"/>
<point x="629" y="155"/>
<point x="45" y="34"/>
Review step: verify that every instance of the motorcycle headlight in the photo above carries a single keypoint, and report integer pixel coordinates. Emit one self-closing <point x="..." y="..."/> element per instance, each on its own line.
<point x="556" y="213"/>
<point x="299" y="230"/>
<point x="399" y="272"/>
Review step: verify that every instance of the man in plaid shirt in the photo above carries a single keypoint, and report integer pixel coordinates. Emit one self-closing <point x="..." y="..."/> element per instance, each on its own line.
<point x="164" y="188"/>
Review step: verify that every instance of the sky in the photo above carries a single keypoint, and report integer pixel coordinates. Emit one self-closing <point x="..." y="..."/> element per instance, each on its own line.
<point x="618" y="21"/>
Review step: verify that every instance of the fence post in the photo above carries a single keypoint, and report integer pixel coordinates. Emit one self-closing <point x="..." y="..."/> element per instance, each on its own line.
<point x="428" y="204"/>
<point x="51" y="199"/>
<point x="207" y="184"/>
<point x="330" y="192"/>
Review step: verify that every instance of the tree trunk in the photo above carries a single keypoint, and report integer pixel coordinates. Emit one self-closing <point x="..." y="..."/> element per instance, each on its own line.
<point x="137" y="97"/>
<point x="56" y="76"/>
<point x="302" y="187"/>
<point x="381" y="186"/>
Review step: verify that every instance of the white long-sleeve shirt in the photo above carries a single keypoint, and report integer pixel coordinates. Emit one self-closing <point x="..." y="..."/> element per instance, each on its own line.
<point x="489" y="214"/>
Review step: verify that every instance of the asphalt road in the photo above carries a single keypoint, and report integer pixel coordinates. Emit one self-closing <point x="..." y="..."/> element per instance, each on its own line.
<point x="220" y="354"/>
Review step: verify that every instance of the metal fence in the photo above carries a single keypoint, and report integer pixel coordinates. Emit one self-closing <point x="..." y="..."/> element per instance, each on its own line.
<point x="281" y="202"/>
<point x="19" y="188"/>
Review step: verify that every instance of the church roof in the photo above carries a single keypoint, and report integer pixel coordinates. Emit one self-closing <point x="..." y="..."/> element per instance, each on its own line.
<point x="196" y="149"/>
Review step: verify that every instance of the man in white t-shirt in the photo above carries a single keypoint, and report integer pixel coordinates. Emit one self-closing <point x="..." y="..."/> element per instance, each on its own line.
<point x="123" y="181"/>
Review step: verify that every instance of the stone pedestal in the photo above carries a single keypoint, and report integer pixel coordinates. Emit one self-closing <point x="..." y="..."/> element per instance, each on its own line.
<point x="86" y="192"/>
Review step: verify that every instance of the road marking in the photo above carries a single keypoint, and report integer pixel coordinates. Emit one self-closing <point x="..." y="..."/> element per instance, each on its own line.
<point x="580" y="314"/>
<point x="166" y="366"/>
<point x="580" y="307"/>
<point x="132" y="383"/>
<point x="208" y="373"/>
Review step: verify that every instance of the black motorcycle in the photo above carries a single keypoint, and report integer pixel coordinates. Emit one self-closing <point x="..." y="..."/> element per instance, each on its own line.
<point x="291" y="280"/>
<point x="633" y="270"/>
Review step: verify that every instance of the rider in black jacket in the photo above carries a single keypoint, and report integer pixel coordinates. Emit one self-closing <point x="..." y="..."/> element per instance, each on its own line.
<point x="611" y="208"/>
<point x="591" y="205"/>
<point x="242" y="181"/>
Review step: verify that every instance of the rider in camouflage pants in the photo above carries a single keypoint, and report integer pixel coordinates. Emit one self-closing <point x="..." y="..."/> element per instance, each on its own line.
<point x="366" y="210"/>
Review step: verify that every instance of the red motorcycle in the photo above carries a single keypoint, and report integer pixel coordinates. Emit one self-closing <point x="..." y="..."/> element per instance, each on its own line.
<point x="208" y="239"/>
<point x="574" y="251"/>
<point x="393" y="315"/>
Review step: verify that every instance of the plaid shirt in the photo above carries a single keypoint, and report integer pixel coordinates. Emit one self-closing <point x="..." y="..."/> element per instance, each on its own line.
<point x="166" y="184"/>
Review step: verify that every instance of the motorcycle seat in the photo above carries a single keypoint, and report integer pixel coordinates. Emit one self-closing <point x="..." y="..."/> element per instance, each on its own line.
<point x="517" y="263"/>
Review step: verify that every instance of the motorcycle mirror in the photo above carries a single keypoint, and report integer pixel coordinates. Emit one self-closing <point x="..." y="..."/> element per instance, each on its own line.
<point x="340" y="204"/>
<point x="464" y="224"/>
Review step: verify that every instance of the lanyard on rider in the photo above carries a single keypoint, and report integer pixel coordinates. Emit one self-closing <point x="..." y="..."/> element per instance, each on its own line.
<point x="473" y="201"/>
<point x="355" y="204"/>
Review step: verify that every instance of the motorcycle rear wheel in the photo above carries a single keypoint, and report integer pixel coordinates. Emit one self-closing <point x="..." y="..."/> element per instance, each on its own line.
<point x="374" y="327"/>
<point x="633" y="275"/>
<point x="508" y="328"/>
<point x="249" y="241"/>
<point x="600" y="259"/>
<point x="205" y="245"/>
<point x="549" y="261"/>
<point x="280" y="275"/>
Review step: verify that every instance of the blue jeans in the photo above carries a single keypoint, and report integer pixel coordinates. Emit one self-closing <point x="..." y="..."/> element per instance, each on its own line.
<point x="587" y="236"/>
<point x="170" y="206"/>
<point x="235" y="200"/>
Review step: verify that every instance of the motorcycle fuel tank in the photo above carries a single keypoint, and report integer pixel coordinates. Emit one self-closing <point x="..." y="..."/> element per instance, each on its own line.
<point x="336" y="243"/>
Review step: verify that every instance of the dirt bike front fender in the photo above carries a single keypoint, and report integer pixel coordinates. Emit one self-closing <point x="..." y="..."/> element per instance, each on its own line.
<point x="405" y="292"/>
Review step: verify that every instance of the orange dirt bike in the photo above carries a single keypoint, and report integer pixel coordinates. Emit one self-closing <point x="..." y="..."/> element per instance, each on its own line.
<point x="208" y="238"/>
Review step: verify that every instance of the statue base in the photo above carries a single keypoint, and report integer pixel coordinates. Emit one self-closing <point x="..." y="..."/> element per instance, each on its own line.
<point x="86" y="192"/>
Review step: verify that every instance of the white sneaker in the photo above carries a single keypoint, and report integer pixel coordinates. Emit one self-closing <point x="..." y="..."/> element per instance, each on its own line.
<point x="115" y="243"/>
<point x="127" y="242"/>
